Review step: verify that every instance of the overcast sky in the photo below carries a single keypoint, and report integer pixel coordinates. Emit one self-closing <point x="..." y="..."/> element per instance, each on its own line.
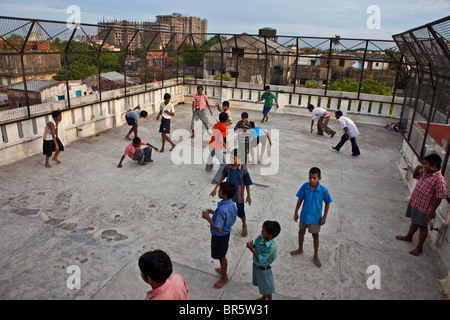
<point x="325" y="18"/>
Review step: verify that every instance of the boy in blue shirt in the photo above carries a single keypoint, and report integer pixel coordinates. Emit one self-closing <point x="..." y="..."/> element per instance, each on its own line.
<point x="312" y="194"/>
<point x="221" y="222"/>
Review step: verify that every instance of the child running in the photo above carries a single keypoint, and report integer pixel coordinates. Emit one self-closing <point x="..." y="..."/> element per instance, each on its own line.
<point x="132" y="117"/>
<point x="312" y="194"/>
<point x="268" y="98"/>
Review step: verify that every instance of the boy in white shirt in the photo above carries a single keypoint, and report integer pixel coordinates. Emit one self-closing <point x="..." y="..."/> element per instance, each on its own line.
<point x="167" y="111"/>
<point x="350" y="133"/>
<point x="322" y="124"/>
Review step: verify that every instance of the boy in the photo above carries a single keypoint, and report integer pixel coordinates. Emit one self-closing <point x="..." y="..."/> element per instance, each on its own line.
<point x="134" y="151"/>
<point x="221" y="222"/>
<point x="350" y="133"/>
<point x="217" y="142"/>
<point x="156" y="270"/>
<point x="225" y="108"/>
<point x="264" y="253"/>
<point x="243" y="129"/>
<point x="166" y="112"/>
<point x="198" y="109"/>
<point x="132" y="118"/>
<point x="51" y="141"/>
<point x="258" y="135"/>
<point x="322" y="124"/>
<point x="425" y="199"/>
<point x="239" y="176"/>
<point x="312" y="194"/>
<point x="268" y="98"/>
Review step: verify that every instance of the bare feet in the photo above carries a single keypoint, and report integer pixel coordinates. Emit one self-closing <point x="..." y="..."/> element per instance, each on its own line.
<point x="416" y="252"/>
<point x="56" y="160"/>
<point x="47" y="165"/>
<point x="317" y="261"/>
<point x="161" y="151"/>
<point x="295" y="252"/>
<point x="404" y="238"/>
<point x="128" y="138"/>
<point x="222" y="281"/>
<point x="244" y="230"/>
<point x="173" y="146"/>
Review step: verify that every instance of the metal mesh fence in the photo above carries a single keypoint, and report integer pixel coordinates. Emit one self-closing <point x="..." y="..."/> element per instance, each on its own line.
<point x="426" y="111"/>
<point x="51" y="64"/>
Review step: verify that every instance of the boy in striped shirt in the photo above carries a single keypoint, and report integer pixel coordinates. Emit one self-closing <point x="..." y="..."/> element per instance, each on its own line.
<point x="425" y="199"/>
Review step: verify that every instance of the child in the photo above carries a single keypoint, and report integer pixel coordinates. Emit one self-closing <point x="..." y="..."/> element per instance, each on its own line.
<point x="221" y="222"/>
<point x="132" y="118"/>
<point x="268" y="98"/>
<point x="217" y="142"/>
<point x="258" y="135"/>
<point x="425" y="199"/>
<point x="167" y="111"/>
<point x="350" y="133"/>
<point x="239" y="176"/>
<point x="198" y="109"/>
<point x="134" y="151"/>
<point x="51" y="141"/>
<point x="322" y="124"/>
<point x="225" y="108"/>
<point x="156" y="270"/>
<point x="313" y="194"/>
<point x="264" y="253"/>
<point x="243" y="129"/>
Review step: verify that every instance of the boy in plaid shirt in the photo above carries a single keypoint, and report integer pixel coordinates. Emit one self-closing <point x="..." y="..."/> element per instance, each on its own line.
<point x="425" y="199"/>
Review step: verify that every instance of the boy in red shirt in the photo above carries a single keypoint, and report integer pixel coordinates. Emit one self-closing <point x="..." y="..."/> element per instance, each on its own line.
<point x="134" y="151"/>
<point x="425" y="199"/>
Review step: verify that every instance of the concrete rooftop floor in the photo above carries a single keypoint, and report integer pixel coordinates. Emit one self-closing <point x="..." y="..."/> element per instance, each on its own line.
<point x="89" y="213"/>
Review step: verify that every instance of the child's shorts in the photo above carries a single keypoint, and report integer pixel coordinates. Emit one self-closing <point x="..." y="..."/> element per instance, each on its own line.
<point x="266" y="110"/>
<point x="130" y="121"/>
<point x="219" y="246"/>
<point x="165" y="125"/>
<point x="49" y="147"/>
<point x="241" y="211"/>
<point x="312" y="228"/>
<point x="417" y="217"/>
<point x="263" y="278"/>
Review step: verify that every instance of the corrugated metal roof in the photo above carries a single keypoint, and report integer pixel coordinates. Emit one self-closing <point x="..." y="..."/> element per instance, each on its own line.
<point x="34" y="85"/>
<point x="115" y="76"/>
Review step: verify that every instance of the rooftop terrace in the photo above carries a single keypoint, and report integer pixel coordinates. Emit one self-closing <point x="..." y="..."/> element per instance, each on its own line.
<point x="89" y="213"/>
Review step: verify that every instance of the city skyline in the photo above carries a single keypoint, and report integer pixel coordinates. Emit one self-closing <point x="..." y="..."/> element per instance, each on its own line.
<point x="289" y="17"/>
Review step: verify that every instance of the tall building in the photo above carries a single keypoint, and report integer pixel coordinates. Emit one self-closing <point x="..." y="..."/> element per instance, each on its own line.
<point x="185" y="25"/>
<point x="120" y="33"/>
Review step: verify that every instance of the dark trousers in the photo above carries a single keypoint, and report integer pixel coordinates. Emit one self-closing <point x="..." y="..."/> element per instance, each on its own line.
<point x="143" y="155"/>
<point x="355" y="148"/>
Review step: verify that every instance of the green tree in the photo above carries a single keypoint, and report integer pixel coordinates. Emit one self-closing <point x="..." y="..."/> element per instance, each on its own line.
<point x="225" y="77"/>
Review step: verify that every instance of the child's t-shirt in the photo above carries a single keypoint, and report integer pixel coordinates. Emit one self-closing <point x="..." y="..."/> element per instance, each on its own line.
<point x="267" y="252"/>
<point x="268" y="99"/>
<point x="429" y="186"/>
<point x="219" y="133"/>
<point x="166" y="107"/>
<point x="224" y="218"/>
<point x="312" y="202"/>
<point x="240" y="177"/>
<point x="173" y="289"/>
<point x="130" y="150"/>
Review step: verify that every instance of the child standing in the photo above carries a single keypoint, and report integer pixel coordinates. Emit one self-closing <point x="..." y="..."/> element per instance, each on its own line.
<point x="132" y="117"/>
<point x="312" y="194"/>
<point x="134" y="151"/>
<point x="322" y="124"/>
<point x="264" y="253"/>
<point x="198" y="109"/>
<point x="221" y="222"/>
<point x="51" y="141"/>
<point x="243" y="129"/>
<point x="425" y="199"/>
<point x="239" y="176"/>
<point x="156" y="270"/>
<point x="350" y="133"/>
<point x="268" y="98"/>
<point x="166" y="112"/>
<point x="226" y="108"/>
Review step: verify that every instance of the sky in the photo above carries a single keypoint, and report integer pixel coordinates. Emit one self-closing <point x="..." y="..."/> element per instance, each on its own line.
<point x="325" y="18"/>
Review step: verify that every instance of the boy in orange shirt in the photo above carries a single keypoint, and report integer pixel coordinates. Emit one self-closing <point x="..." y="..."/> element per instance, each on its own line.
<point x="217" y="142"/>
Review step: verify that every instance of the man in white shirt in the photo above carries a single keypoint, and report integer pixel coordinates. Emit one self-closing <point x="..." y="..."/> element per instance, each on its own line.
<point x="350" y="133"/>
<point x="322" y="124"/>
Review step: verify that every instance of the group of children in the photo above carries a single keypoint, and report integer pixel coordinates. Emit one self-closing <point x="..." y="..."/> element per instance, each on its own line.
<point x="233" y="180"/>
